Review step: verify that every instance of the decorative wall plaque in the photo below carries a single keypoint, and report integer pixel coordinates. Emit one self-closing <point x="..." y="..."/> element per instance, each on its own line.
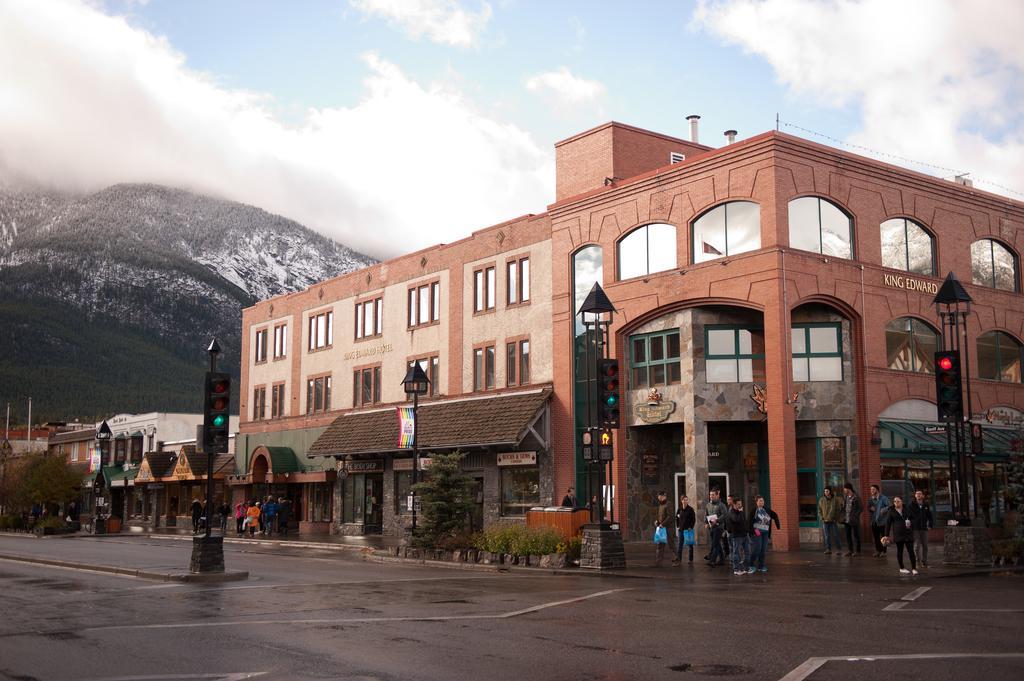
<point x="654" y="410"/>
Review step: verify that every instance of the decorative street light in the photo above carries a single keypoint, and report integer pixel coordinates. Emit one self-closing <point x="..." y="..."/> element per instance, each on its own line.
<point x="596" y="313"/>
<point x="103" y="436"/>
<point x="953" y="305"/>
<point x="415" y="383"/>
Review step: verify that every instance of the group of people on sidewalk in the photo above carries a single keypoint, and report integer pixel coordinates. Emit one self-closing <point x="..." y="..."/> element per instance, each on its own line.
<point x="263" y="516"/>
<point x="892" y="522"/>
<point x="733" y="532"/>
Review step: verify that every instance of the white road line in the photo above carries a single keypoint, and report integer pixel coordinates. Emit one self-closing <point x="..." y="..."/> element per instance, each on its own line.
<point x="359" y="620"/>
<point x="227" y="676"/>
<point x="916" y="593"/>
<point x="813" y="664"/>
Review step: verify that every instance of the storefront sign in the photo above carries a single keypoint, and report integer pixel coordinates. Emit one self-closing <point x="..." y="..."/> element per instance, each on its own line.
<point x="371" y="466"/>
<point x="910" y="283"/>
<point x="654" y="412"/>
<point x="181" y="469"/>
<point x="1004" y="416"/>
<point x="517" y="459"/>
<point x="368" y="352"/>
<point x="156" y="485"/>
<point x="935" y="429"/>
<point x="649" y="469"/>
<point x="406" y="464"/>
<point x="145" y="474"/>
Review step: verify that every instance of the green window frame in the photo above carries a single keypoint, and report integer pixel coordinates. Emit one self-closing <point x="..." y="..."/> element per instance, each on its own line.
<point x="825" y="470"/>
<point x="747" y="367"/>
<point x="651" y="359"/>
<point x="813" y="365"/>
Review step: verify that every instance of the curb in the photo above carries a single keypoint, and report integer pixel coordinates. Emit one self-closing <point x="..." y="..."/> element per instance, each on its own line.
<point x="212" y="577"/>
<point x="267" y="542"/>
<point x="500" y="568"/>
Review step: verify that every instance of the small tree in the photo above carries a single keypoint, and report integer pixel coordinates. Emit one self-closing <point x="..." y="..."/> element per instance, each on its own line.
<point x="445" y="498"/>
<point x="49" y="480"/>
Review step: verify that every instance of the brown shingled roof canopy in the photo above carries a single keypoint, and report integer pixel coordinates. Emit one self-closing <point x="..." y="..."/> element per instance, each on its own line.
<point x="474" y="422"/>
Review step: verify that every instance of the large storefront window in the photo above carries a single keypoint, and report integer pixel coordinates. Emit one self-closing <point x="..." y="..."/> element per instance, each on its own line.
<point x="907" y="246"/>
<point x="654" y="359"/>
<point x="520" y="490"/>
<point x="733" y="355"/>
<point x="999" y="357"/>
<point x="910" y="345"/>
<point x="319" y="502"/>
<point x="647" y="249"/>
<point x="817" y="352"/>
<point x="820" y="226"/>
<point x="819" y="462"/>
<point x="731" y="228"/>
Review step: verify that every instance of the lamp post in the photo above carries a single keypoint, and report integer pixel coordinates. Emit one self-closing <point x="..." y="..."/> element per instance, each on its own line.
<point x="415" y="383"/>
<point x="103" y="436"/>
<point x="596" y="313"/>
<point x="953" y="305"/>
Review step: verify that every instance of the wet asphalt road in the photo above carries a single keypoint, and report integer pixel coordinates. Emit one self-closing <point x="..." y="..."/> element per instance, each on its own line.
<point x="310" y="614"/>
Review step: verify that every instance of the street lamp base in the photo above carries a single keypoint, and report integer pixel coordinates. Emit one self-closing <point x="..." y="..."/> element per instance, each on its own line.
<point x="602" y="548"/>
<point x="207" y="554"/>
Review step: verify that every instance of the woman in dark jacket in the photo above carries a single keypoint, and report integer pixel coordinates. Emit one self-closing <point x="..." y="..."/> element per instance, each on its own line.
<point x="761" y="519"/>
<point x="685" y="520"/>
<point x="898" y="528"/>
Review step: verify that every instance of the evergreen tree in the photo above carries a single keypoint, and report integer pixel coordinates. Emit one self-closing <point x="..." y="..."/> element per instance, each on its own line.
<point x="445" y="498"/>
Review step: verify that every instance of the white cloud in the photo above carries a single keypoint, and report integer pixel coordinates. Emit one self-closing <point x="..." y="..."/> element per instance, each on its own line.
<point x="938" y="81"/>
<point x="564" y="87"/>
<point x="87" y="101"/>
<point x="443" y="21"/>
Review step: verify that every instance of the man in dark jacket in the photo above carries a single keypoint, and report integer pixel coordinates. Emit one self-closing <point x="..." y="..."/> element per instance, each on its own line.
<point x="569" y="500"/>
<point x="197" y="513"/>
<point x="736" y="526"/>
<point x="878" y="512"/>
<point x="920" y="522"/>
<point x="714" y="516"/>
<point x="851" y="518"/>
<point x="686" y="519"/>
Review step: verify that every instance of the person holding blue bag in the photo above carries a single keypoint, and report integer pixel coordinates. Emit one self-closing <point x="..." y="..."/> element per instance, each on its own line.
<point x="662" y="521"/>
<point x="686" y="520"/>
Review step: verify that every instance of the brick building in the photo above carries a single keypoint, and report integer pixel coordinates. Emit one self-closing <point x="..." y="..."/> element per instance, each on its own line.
<point x="773" y="298"/>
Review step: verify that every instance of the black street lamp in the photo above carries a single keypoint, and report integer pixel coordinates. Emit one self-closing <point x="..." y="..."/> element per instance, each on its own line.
<point x="596" y="313"/>
<point x="415" y="383"/>
<point x="104" y="436"/>
<point x="953" y="305"/>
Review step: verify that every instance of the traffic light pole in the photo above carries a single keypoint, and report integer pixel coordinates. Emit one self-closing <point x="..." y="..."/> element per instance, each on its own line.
<point x="214" y="350"/>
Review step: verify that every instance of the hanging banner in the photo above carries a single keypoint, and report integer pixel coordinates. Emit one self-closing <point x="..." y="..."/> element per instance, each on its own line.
<point x="406" y="427"/>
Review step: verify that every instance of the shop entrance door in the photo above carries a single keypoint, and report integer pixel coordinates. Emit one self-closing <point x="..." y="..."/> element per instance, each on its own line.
<point x="373" y="519"/>
<point x="721" y="481"/>
<point x="477" y="517"/>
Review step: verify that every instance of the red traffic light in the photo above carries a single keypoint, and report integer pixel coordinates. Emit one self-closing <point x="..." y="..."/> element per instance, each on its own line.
<point x="946" y="363"/>
<point x="611" y="369"/>
<point x="219" y="386"/>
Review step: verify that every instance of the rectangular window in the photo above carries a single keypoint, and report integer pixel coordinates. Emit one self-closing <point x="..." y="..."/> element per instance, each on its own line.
<point x="483" y="368"/>
<point x="517" y="281"/>
<point x="319" y="507"/>
<point x="817" y="352"/>
<point x="654" y="359"/>
<point x="819" y="462"/>
<point x="520" y="490"/>
<point x="429" y="365"/>
<point x="517" y="362"/>
<point x="403" y="481"/>
<point x="277" y="401"/>
<point x="318" y="395"/>
<point x="321" y="330"/>
<point x="733" y="354"/>
<point x="483" y="289"/>
<point x="424" y="304"/>
<point x="259" y="403"/>
<point x="280" y="341"/>
<point x="261" y="345"/>
<point x="524" y="362"/>
<point x="366" y="386"/>
<point x="510" y="364"/>
<point x="369" y="318"/>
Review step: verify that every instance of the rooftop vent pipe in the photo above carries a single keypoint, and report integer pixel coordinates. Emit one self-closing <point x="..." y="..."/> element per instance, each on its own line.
<point x="694" y="119"/>
<point x="730" y="136"/>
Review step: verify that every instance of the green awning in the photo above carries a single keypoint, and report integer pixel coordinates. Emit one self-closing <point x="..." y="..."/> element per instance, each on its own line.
<point x="931" y="438"/>
<point x="137" y="433"/>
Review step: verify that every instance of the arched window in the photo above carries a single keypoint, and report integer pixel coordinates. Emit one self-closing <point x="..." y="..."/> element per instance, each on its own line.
<point x="999" y="357"/>
<point x="819" y="225"/>
<point x="647" y="249"/>
<point x="910" y="345"/>
<point x="907" y="246"/>
<point x="993" y="265"/>
<point x="731" y="228"/>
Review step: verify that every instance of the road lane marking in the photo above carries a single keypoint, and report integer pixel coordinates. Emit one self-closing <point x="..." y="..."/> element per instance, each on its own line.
<point x="227" y="676"/>
<point x="361" y="620"/>
<point x="916" y="593"/>
<point x="813" y="664"/>
<point x="900" y="605"/>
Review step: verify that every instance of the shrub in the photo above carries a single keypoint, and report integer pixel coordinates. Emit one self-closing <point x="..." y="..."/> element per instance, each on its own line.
<point x="12" y="522"/>
<point x="572" y="547"/>
<point x="519" y="540"/>
<point x="52" y="522"/>
<point x="456" y="542"/>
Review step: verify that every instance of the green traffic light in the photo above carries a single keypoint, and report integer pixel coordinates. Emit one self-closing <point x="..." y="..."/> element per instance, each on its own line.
<point x="219" y="420"/>
<point x="612" y="399"/>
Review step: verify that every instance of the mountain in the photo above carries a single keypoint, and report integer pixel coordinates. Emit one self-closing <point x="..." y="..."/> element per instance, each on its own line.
<point x="108" y="301"/>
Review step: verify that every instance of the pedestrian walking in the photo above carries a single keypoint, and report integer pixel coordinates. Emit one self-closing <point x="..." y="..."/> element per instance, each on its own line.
<point x="878" y="509"/>
<point x="761" y="519"/>
<point x="269" y="516"/>
<point x="686" y="519"/>
<point x="284" y="508"/>
<point x="830" y="508"/>
<point x="569" y="500"/>
<point x="239" y="517"/>
<point x="197" y="514"/>
<point x="852" y="508"/>
<point x="899" y="530"/>
<point x="736" y="524"/>
<point x="663" y="520"/>
<point x="920" y="521"/>
<point x="224" y="511"/>
<point x="714" y="516"/>
<point x="253" y="515"/>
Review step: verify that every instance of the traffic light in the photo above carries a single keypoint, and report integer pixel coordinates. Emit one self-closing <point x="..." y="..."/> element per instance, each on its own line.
<point x="216" y="416"/>
<point x="605" y="451"/>
<point x="948" y="391"/>
<point x="608" y="393"/>
<point x="587" y="440"/>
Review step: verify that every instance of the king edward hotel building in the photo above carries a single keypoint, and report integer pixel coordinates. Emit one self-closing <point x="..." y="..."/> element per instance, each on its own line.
<point x="774" y="324"/>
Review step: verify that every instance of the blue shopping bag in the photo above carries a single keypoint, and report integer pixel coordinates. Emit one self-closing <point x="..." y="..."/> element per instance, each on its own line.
<point x="660" y="535"/>
<point x="688" y="538"/>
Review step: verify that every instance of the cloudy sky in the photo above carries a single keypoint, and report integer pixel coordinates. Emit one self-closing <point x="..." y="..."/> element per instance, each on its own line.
<point x="390" y="125"/>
